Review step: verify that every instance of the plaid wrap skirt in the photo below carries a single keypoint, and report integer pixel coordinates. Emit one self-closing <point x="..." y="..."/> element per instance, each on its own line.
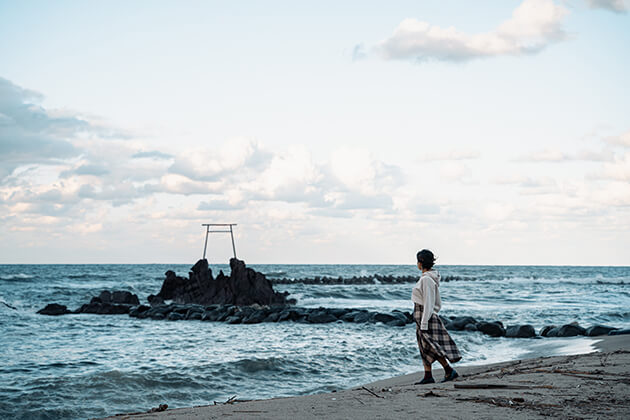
<point x="437" y="342"/>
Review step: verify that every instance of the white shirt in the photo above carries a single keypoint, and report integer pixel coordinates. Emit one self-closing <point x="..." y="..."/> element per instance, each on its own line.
<point x="426" y="293"/>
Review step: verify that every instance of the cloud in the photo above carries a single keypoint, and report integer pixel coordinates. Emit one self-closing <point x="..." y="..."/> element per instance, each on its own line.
<point x="86" y="169"/>
<point x="211" y="164"/>
<point x="30" y="134"/>
<point x="617" y="6"/>
<point x="618" y="170"/>
<point x="534" y="25"/>
<point x="359" y="52"/>
<point x="219" y="205"/>
<point x="621" y="140"/>
<point x="557" y="156"/>
<point x="460" y="154"/>
<point x="152" y="154"/>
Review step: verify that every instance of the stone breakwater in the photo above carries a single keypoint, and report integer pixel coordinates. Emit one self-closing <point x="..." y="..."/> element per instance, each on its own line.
<point x="122" y="302"/>
<point x="374" y="279"/>
<point x="246" y="296"/>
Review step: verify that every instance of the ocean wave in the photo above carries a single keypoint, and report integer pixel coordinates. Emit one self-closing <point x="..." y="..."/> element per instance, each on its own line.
<point x="17" y="276"/>
<point x="354" y="293"/>
<point x="275" y="273"/>
<point x="87" y="276"/>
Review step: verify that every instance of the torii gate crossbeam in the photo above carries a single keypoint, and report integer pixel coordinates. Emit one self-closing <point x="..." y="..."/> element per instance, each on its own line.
<point x="208" y="231"/>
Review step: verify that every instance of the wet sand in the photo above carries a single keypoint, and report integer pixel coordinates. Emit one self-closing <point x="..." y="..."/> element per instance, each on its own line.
<point x="593" y="385"/>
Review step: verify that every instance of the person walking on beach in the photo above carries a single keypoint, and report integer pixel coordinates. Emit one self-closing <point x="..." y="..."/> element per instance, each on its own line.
<point x="433" y="340"/>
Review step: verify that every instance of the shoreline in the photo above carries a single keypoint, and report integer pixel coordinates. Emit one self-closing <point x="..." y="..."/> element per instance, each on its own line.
<point x="587" y="385"/>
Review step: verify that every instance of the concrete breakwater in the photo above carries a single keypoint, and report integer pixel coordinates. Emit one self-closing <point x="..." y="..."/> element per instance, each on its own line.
<point x="120" y="302"/>
<point x="373" y="279"/>
<point x="246" y="296"/>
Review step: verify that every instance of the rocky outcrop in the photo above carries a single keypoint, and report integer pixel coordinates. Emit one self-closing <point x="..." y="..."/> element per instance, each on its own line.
<point x="567" y="330"/>
<point x="597" y="330"/>
<point x="520" y="331"/>
<point x="374" y="279"/>
<point x="110" y="303"/>
<point x="54" y="309"/>
<point x="255" y="314"/>
<point x="244" y="286"/>
<point x="106" y="303"/>
<point x="493" y="329"/>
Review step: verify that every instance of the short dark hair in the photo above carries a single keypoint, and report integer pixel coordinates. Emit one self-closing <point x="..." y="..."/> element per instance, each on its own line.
<point x="426" y="258"/>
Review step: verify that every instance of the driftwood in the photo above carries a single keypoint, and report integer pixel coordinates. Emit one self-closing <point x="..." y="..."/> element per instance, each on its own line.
<point x="8" y="306"/>
<point x="510" y="402"/>
<point x="430" y="394"/>
<point x="357" y="398"/>
<point x="230" y="400"/>
<point x="373" y="393"/>
<point x="499" y="386"/>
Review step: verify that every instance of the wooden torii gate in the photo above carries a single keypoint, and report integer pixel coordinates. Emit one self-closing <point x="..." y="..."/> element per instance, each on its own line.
<point x="209" y="231"/>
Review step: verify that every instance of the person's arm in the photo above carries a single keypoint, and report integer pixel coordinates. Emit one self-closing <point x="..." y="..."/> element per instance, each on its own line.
<point x="428" y="292"/>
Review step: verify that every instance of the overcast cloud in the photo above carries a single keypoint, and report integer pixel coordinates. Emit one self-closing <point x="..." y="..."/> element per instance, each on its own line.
<point x="534" y="25"/>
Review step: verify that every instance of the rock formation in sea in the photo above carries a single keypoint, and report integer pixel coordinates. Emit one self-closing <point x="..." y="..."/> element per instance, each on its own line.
<point x="247" y="297"/>
<point x="244" y="286"/>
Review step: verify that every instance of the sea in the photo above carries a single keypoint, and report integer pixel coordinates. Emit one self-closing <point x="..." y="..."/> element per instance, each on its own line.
<point x="85" y="366"/>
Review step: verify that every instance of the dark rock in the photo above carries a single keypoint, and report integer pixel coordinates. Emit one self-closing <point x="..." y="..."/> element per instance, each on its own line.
<point x="209" y="316"/>
<point x="194" y="309"/>
<point x="620" y="332"/>
<point x="89" y="308"/>
<point x="156" y="312"/>
<point x="54" y="309"/>
<point x="105" y="296"/>
<point x="596" y="330"/>
<point x="362" y="317"/>
<point x="460" y="322"/>
<point x="175" y="316"/>
<point x="256" y="317"/>
<point x="320" y="317"/>
<point x="272" y="317"/>
<point x="227" y="311"/>
<point x="243" y="287"/>
<point x="408" y="316"/>
<point x="384" y="318"/>
<point x="471" y="327"/>
<point x="155" y="300"/>
<point x="171" y="284"/>
<point x="103" y="309"/>
<point x="193" y="315"/>
<point x="520" y="331"/>
<point x="396" y="318"/>
<point x="114" y="309"/>
<point x="290" y="315"/>
<point x="338" y="312"/>
<point x="118" y="296"/>
<point x="125" y="298"/>
<point x="493" y="329"/>
<point x="233" y="319"/>
<point x="553" y="332"/>
<point x="138" y="310"/>
<point x="570" y="330"/>
<point x="349" y="316"/>
<point x="544" y="331"/>
<point x="397" y="322"/>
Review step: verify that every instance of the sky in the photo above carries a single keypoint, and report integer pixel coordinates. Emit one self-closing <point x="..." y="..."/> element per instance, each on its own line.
<point x="358" y="132"/>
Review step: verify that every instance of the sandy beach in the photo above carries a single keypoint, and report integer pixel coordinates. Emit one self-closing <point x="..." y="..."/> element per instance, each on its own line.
<point x="593" y="385"/>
